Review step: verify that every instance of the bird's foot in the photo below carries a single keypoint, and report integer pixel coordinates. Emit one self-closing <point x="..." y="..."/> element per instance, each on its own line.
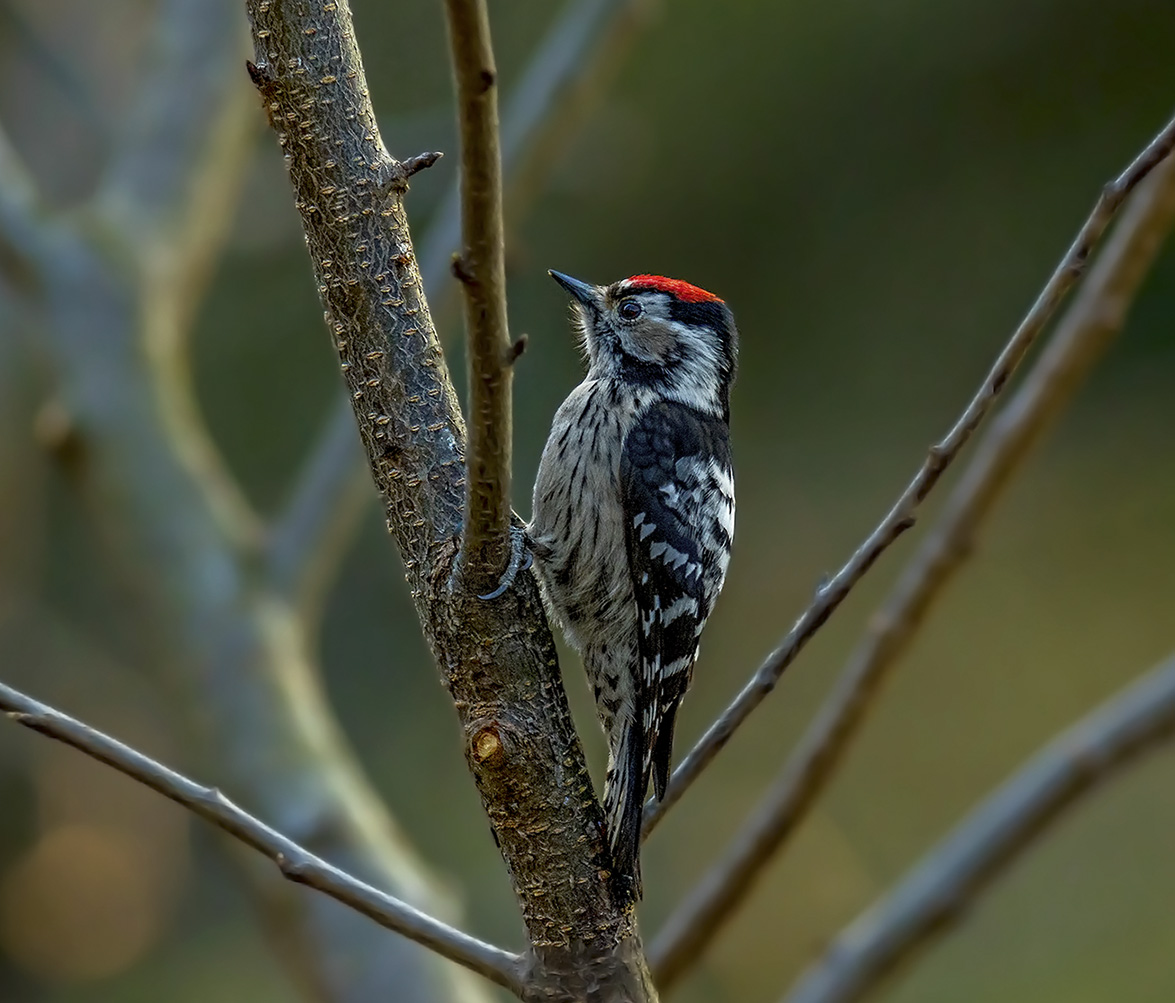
<point x="520" y="560"/>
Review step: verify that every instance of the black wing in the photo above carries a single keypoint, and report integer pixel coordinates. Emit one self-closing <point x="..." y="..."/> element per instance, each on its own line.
<point x="678" y="493"/>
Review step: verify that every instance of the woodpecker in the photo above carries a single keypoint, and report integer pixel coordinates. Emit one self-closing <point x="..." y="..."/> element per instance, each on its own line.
<point x="633" y="520"/>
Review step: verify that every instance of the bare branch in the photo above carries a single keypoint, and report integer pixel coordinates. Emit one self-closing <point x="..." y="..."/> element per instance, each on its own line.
<point x="586" y="37"/>
<point x="498" y="658"/>
<point x="421" y="162"/>
<point x="950" y="879"/>
<point x="1095" y="317"/>
<point x="116" y="338"/>
<point x="485" y="542"/>
<point x="313" y="528"/>
<point x="904" y="512"/>
<point x="295" y="863"/>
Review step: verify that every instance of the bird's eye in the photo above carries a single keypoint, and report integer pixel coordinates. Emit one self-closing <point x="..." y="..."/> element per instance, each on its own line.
<point x="629" y="309"/>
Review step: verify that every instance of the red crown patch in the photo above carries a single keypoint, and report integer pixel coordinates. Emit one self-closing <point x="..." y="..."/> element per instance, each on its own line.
<point x="674" y="287"/>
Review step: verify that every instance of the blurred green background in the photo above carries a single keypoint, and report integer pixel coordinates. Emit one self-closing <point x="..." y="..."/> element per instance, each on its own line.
<point x="879" y="191"/>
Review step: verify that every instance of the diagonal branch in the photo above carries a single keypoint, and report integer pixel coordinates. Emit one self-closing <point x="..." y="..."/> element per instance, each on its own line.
<point x="1095" y="317"/>
<point x="904" y="512"/>
<point x="311" y="531"/>
<point x="481" y="270"/>
<point x="948" y="881"/>
<point x="119" y="289"/>
<point x="497" y="659"/>
<point x="295" y="863"/>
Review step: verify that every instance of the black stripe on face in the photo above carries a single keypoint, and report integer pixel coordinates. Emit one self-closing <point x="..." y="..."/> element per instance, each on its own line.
<point x="714" y="315"/>
<point x="640" y="372"/>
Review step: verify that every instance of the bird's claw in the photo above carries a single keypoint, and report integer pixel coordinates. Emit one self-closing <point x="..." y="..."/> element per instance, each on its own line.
<point x="520" y="559"/>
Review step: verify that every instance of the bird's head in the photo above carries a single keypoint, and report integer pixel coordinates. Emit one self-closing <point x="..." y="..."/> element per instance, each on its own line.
<point x="659" y="333"/>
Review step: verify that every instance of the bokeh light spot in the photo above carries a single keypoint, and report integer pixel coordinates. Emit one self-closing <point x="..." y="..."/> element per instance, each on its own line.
<point x="77" y="907"/>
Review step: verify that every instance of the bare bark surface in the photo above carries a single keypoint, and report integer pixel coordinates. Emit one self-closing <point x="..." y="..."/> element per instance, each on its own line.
<point x="497" y="659"/>
<point x="481" y="269"/>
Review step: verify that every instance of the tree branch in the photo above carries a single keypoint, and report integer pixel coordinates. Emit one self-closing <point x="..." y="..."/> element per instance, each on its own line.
<point x="1095" y="317"/>
<point x="481" y="270"/>
<point x="497" y="659"/>
<point x="904" y="512"/>
<point x="311" y="531"/>
<point x="948" y="881"/>
<point x="116" y="335"/>
<point x="584" y="38"/>
<point x="293" y="861"/>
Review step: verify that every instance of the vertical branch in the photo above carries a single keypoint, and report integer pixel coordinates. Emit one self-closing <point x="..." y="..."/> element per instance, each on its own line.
<point x="497" y="659"/>
<point x="481" y="269"/>
<point x="1095" y="317"/>
<point x="118" y="294"/>
<point x="587" y="38"/>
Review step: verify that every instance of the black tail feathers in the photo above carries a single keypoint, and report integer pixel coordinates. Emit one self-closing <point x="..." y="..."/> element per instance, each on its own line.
<point x="625" y="802"/>
<point x="663" y="749"/>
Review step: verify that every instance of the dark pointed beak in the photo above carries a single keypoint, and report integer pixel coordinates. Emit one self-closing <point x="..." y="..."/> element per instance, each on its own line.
<point x="585" y="292"/>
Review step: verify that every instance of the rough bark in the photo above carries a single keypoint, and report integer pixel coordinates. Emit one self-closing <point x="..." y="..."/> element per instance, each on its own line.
<point x="497" y="658"/>
<point x="115" y="284"/>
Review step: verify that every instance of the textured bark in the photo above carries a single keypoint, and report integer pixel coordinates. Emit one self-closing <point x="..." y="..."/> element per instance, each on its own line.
<point x="481" y="267"/>
<point x="497" y="658"/>
<point x="116" y="283"/>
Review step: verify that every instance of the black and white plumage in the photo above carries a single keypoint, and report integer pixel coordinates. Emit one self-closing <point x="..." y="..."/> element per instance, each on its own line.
<point x="634" y="518"/>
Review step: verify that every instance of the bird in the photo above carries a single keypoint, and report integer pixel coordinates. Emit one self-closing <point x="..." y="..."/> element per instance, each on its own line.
<point x="633" y="520"/>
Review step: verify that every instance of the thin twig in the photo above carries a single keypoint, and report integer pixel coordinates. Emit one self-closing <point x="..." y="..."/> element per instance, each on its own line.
<point x="310" y="532"/>
<point x="245" y="656"/>
<point x="904" y="512"/>
<point x="1095" y="317"/>
<point x="481" y="268"/>
<point x="585" y="36"/>
<point x="295" y="863"/>
<point x="950" y="879"/>
<point x="497" y="659"/>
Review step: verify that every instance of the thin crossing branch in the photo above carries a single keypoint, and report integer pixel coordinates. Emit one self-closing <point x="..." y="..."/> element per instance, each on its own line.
<point x="295" y="863"/>
<point x="1095" y="317"/>
<point x="481" y="270"/>
<point x="903" y="514"/>
<point x="949" y="880"/>
<point x="497" y="659"/>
